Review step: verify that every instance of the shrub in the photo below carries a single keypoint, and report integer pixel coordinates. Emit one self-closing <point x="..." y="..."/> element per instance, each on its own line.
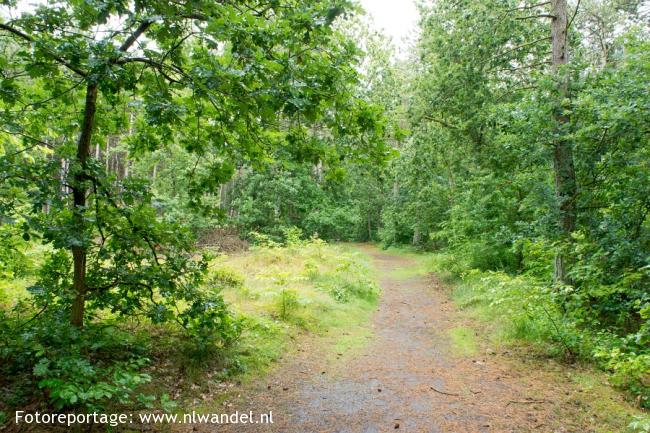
<point x="554" y="320"/>
<point x="263" y="240"/>
<point x="292" y="236"/>
<point x="88" y="368"/>
<point x="13" y="261"/>
<point x="348" y="280"/>
<point x="210" y="323"/>
<point x="287" y="303"/>
<point x="310" y="269"/>
<point x="225" y="278"/>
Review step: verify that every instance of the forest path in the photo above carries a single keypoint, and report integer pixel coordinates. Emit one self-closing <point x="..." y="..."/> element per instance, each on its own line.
<point x="406" y="377"/>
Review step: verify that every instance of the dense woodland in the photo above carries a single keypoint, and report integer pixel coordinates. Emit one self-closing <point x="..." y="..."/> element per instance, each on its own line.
<point x="513" y="141"/>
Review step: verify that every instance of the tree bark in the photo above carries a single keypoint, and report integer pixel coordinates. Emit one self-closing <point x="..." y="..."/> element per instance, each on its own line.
<point x="108" y="152"/>
<point x="565" y="180"/>
<point x="79" y="192"/>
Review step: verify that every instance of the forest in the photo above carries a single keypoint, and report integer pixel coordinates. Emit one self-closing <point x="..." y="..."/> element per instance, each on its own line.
<point x="194" y="193"/>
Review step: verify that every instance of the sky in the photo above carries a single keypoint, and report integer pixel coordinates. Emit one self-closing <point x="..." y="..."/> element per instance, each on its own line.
<point x="397" y="18"/>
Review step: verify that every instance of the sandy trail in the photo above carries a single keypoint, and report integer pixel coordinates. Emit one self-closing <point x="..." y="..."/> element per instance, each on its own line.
<point x="405" y="379"/>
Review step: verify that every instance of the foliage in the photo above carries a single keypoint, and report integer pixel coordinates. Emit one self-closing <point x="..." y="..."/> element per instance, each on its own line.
<point x="525" y="308"/>
<point x="287" y="302"/>
<point x="277" y="301"/>
<point x="13" y="260"/>
<point x="225" y="278"/>
<point x="349" y="280"/>
<point x="332" y="195"/>
<point x="475" y="179"/>
<point x="89" y="368"/>
<point x="122" y="125"/>
<point x="129" y="127"/>
<point x="640" y="424"/>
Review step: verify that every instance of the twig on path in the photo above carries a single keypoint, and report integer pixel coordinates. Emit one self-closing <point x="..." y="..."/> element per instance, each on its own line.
<point x="525" y="402"/>
<point x="443" y="392"/>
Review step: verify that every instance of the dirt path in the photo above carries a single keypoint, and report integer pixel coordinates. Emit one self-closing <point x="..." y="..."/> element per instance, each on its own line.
<point x="405" y="379"/>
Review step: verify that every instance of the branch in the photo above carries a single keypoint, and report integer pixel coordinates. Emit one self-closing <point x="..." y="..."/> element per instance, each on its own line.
<point x="135" y="35"/>
<point x="522" y="67"/>
<point x="125" y="214"/>
<point x="30" y="39"/>
<point x="43" y="101"/>
<point x="527" y="44"/>
<point x="517" y="89"/>
<point x="536" y="16"/>
<point x="523" y="8"/>
<point x="453" y="394"/>
<point x="157" y="65"/>
<point x="574" y="16"/>
<point x="442" y="122"/>
<point x="36" y="142"/>
<point x="524" y="402"/>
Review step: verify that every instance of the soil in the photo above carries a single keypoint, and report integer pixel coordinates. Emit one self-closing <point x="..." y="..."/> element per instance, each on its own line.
<point x="405" y="378"/>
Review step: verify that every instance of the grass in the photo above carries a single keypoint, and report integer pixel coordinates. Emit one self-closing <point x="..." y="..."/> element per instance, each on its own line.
<point x="14" y="288"/>
<point x="281" y="296"/>
<point x="425" y="263"/>
<point x="463" y="341"/>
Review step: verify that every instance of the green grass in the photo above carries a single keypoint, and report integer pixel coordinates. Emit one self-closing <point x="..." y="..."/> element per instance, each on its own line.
<point x="600" y="404"/>
<point x="307" y="291"/>
<point x="317" y="291"/>
<point x="14" y="289"/>
<point x="463" y="341"/>
<point x="442" y="264"/>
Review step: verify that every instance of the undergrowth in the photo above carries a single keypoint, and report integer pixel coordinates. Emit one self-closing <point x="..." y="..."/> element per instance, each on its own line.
<point x="267" y="298"/>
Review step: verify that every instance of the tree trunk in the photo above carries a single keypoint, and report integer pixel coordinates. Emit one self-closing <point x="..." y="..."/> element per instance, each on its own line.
<point x="79" y="196"/>
<point x="108" y="152"/>
<point x="565" y="180"/>
<point x="416" y="236"/>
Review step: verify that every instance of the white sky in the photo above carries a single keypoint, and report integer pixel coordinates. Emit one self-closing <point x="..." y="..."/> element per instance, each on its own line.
<point x="396" y="18"/>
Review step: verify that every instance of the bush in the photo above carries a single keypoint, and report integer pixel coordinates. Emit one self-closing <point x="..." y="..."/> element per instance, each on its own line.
<point x="311" y="269"/>
<point x="530" y="309"/>
<point x="287" y="303"/>
<point x="88" y="368"/>
<point x="210" y="324"/>
<point x="263" y="240"/>
<point x="348" y="280"/>
<point x="13" y="260"/>
<point x="292" y="236"/>
<point x="225" y="278"/>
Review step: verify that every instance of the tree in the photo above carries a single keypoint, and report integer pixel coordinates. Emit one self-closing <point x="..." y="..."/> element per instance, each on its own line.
<point x="565" y="178"/>
<point x="229" y="81"/>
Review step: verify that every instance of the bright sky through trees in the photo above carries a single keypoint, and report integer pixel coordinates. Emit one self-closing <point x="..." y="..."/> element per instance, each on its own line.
<point x="398" y="19"/>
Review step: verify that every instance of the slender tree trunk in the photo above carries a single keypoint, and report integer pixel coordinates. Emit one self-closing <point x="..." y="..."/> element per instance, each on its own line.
<point x="108" y="151"/>
<point x="79" y="196"/>
<point x="416" y="236"/>
<point x="565" y="180"/>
